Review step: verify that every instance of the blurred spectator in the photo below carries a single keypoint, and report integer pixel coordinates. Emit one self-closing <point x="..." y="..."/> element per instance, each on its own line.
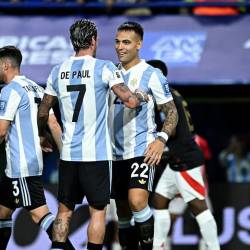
<point x="236" y="159"/>
<point x="215" y="11"/>
<point x="130" y="11"/>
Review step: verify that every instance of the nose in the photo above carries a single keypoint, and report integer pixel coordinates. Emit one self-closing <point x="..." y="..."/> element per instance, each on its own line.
<point x="119" y="46"/>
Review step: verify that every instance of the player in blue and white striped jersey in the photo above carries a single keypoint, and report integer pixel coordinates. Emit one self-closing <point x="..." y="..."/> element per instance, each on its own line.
<point x="136" y="145"/>
<point x="22" y="185"/>
<point x="82" y="84"/>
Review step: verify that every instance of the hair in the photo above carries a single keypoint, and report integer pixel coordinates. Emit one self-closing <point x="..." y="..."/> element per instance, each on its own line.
<point x="81" y="34"/>
<point x="13" y="54"/>
<point x="159" y="65"/>
<point x="132" y="26"/>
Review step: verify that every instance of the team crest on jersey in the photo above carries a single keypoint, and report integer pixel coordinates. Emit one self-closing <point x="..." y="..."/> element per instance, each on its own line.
<point x="142" y="181"/>
<point x="133" y="82"/>
<point x="2" y="105"/>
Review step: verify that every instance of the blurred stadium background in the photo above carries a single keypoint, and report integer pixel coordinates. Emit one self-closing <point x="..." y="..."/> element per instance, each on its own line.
<point x="206" y="45"/>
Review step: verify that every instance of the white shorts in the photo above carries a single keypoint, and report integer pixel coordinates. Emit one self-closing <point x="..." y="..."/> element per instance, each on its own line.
<point x="178" y="206"/>
<point x="189" y="184"/>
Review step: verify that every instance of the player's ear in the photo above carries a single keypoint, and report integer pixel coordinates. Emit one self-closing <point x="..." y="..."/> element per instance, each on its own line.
<point x="6" y="65"/>
<point x="139" y="44"/>
<point x="94" y="41"/>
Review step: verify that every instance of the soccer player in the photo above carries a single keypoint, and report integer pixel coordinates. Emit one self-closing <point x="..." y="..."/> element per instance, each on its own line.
<point x="82" y="84"/>
<point x="21" y="186"/>
<point x="183" y="175"/>
<point x="137" y="147"/>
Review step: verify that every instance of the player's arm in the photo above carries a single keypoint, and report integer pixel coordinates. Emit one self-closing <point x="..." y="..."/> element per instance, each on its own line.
<point x="47" y="103"/>
<point x="4" y="126"/>
<point x="9" y="103"/>
<point x="171" y="120"/>
<point x="130" y="99"/>
<point x="155" y="149"/>
<point x="55" y="130"/>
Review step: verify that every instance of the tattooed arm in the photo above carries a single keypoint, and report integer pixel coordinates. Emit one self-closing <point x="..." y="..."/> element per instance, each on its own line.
<point x="131" y="100"/>
<point x="155" y="149"/>
<point x="170" y="112"/>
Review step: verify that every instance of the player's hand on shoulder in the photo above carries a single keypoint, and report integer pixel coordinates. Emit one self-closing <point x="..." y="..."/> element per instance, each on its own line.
<point x="154" y="152"/>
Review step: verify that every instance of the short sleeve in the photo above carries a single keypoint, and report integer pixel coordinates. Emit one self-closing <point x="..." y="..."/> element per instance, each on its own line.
<point x="52" y="79"/>
<point x="159" y="86"/>
<point x="9" y="103"/>
<point x="112" y="75"/>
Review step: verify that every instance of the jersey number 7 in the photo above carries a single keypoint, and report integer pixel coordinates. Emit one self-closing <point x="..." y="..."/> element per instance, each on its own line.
<point x="81" y="88"/>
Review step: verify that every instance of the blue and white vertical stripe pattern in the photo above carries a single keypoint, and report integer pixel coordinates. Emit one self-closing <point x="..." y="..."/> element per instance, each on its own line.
<point x="133" y="129"/>
<point x="87" y="138"/>
<point x="19" y="105"/>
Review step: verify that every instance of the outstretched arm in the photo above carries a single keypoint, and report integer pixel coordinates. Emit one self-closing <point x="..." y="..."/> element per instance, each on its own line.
<point x="155" y="149"/>
<point x="130" y="99"/>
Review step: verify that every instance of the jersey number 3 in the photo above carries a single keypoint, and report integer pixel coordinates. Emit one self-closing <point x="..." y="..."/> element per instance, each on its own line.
<point x="81" y="88"/>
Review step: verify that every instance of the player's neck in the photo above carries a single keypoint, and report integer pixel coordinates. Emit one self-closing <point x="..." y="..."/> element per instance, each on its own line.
<point x="11" y="75"/>
<point x="131" y="64"/>
<point x="85" y="52"/>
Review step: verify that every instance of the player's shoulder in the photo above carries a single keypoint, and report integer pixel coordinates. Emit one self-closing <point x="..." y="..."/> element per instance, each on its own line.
<point x="155" y="73"/>
<point x="57" y="67"/>
<point x="13" y="85"/>
<point x="12" y="90"/>
<point x="154" y="70"/>
<point x="106" y="65"/>
<point x="150" y="69"/>
<point x="64" y="65"/>
<point x="38" y="87"/>
<point x="104" y="62"/>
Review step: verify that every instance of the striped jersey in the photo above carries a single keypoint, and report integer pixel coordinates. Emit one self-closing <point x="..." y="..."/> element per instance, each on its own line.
<point x="19" y="104"/>
<point x="133" y="129"/>
<point x="82" y="85"/>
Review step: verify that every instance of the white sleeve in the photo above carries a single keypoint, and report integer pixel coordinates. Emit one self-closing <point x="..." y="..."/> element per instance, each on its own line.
<point x="50" y="83"/>
<point x="9" y="102"/>
<point x="159" y="86"/>
<point x="112" y="75"/>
